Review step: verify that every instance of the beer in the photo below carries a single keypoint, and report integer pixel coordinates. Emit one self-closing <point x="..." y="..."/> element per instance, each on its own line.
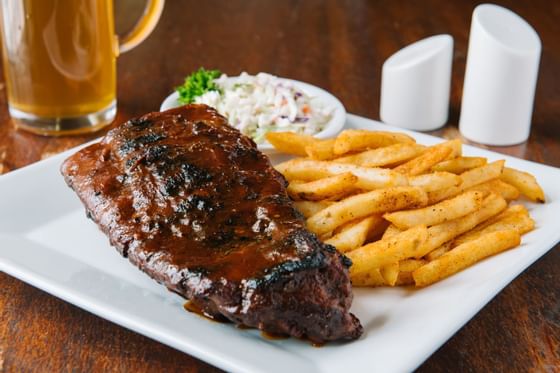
<point x="64" y="65"/>
<point x="59" y="60"/>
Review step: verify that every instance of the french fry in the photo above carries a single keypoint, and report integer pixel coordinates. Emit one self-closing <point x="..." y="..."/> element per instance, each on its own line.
<point x="439" y="195"/>
<point x="507" y="191"/>
<point x="390" y="273"/>
<point x="469" y="178"/>
<point x="308" y="208"/>
<point x="519" y="222"/>
<point x="441" y="233"/>
<point x="345" y="226"/>
<point x="333" y="186"/>
<point x="525" y="183"/>
<point x="428" y="213"/>
<point x="289" y="142"/>
<point x="354" y="235"/>
<point x="387" y="155"/>
<point x="372" y="278"/>
<point x="459" y="165"/>
<point x="481" y="174"/>
<point x="391" y="231"/>
<point x="456" y="148"/>
<point x="465" y="255"/>
<point x="384" y="252"/>
<point x="509" y="211"/>
<point x="303" y="169"/>
<point x="406" y="267"/>
<point x="450" y="209"/>
<point x="368" y="178"/>
<point x="365" y="204"/>
<point x="428" y="158"/>
<point x="435" y="181"/>
<point x="436" y="253"/>
<point x="325" y="236"/>
<point x="321" y="149"/>
<point x="359" y="140"/>
<point x="411" y="265"/>
<point x="404" y="278"/>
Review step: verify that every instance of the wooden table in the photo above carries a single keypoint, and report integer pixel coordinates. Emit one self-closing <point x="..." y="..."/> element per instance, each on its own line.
<point x="340" y="46"/>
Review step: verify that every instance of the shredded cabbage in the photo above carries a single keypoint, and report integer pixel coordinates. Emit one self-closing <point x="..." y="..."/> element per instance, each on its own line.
<point x="264" y="103"/>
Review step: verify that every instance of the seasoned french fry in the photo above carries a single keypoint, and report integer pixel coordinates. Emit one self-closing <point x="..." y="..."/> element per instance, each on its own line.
<point x="362" y="205"/>
<point x="481" y="174"/>
<point x="384" y="252"/>
<point x="325" y="236"/>
<point x="509" y="211"/>
<point x="465" y="255"/>
<point x="333" y="186"/>
<point x="387" y="155"/>
<point x="428" y="158"/>
<point x="450" y="209"/>
<point x="456" y="148"/>
<point x="525" y="183"/>
<point x="355" y="235"/>
<point x="406" y="267"/>
<point x="469" y="178"/>
<point x="289" y="142"/>
<point x="308" y="208"/>
<point x="439" y="195"/>
<point x="321" y="149"/>
<point x="303" y="169"/>
<point x="404" y="278"/>
<point x="507" y="191"/>
<point x="459" y="165"/>
<point x="368" y="178"/>
<point x="410" y="265"/>
<point x="372" y="278"/>
<point x="441" y="233"/>
<point x="519" y="222"/>
<point x="390" y="273"/>
<point x="391" y="231"/>
<point x="359" y="140"/>
<point x="410" y="214"/>
<point x="435" y="181"/>
<point x="436" y="253"/>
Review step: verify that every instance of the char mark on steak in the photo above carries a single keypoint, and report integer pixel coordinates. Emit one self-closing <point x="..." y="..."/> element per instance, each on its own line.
<point x="195" y="205"/>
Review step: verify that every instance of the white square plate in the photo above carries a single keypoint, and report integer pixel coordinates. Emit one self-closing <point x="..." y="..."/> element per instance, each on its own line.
<point x="46" y="240"/>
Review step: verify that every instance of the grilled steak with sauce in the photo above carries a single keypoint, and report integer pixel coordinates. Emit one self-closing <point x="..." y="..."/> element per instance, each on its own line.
<point x="193" y="203"/>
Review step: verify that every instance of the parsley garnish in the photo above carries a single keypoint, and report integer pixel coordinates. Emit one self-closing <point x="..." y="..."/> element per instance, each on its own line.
<point x="197" y="84"/>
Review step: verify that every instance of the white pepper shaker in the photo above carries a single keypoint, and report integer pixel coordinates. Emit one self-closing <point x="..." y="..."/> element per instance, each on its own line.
<point x="500" y="77"/>
<point x="415" y="84"/>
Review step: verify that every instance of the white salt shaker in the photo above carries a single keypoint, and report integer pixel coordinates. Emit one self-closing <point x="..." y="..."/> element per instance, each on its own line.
<point x="415" y="84"/>
<point x="500" y="78"/>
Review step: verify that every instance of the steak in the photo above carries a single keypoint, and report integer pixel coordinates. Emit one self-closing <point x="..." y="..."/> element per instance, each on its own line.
<point x="193" y="203"/>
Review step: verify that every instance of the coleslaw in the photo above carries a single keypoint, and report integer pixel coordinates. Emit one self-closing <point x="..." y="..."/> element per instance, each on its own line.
<point x="262" y="103"/>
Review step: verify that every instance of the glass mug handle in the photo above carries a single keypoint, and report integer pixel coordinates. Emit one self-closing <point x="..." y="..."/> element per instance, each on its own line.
<point x="143" y="27"/>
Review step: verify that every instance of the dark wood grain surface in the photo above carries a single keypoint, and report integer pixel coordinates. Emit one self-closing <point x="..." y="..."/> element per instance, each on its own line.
<point x="340" y="46"/>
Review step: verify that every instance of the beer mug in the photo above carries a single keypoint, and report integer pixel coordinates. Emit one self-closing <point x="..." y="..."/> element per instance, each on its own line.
<point x="59" y="62"/>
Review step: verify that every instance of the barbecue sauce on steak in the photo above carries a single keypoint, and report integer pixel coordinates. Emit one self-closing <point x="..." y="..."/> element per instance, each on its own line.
<point x="194" y="204"/>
